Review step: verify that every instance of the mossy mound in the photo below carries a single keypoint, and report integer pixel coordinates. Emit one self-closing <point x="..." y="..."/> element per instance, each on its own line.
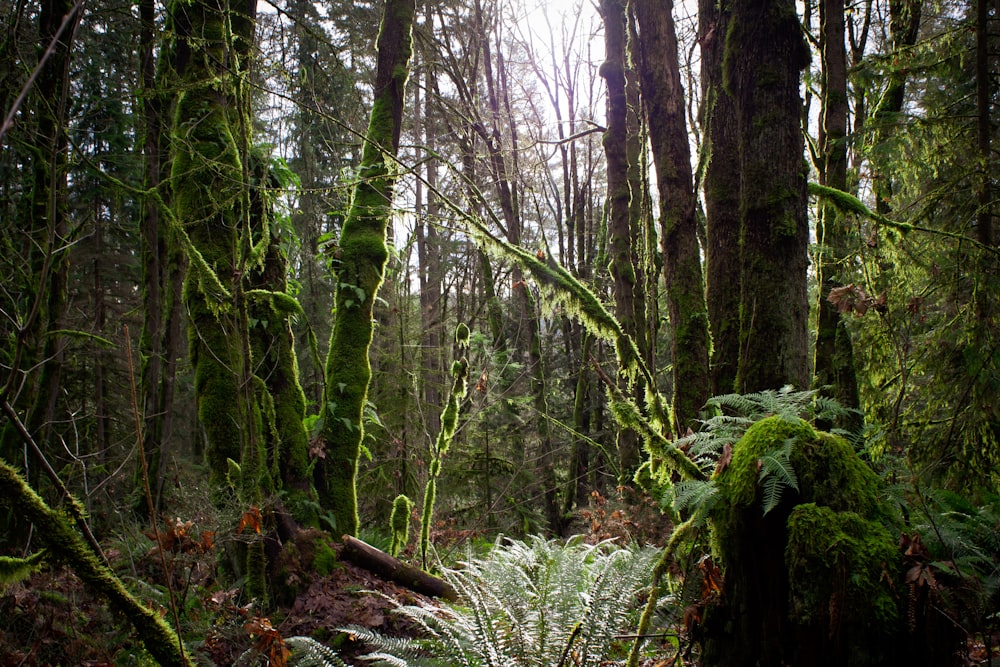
<point x="814" y="579"/>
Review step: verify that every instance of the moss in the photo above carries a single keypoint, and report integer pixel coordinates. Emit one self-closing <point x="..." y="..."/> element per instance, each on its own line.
<point x="829" y="563"/>
<point x="399" y="523"/>
<point x="363" y="257"/>
<point x="840" y="567"/>
<point x="324" y="557"/>
<point x="66" y="545"/>
<point x="738" y="482"/>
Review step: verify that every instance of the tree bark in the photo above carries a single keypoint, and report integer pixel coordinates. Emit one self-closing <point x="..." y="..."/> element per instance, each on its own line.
<point x="622" y="206"/>
<point x="774" y="233"/>
<point x="663" y="99"/>
<point x="392" y="569"/>
<point x="722" y="196"/>
<point x="834" y="359"/>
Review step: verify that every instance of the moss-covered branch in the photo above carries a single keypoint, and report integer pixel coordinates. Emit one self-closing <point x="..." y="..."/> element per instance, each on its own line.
<point x="66" y="545"/>
<point x="848" y="203"/>
<point x="449" y="422"/>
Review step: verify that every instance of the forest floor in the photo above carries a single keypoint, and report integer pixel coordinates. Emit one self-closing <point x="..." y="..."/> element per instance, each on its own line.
<point x="52" y="619"/>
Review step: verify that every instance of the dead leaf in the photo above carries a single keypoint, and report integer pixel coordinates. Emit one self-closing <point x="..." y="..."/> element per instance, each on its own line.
<point x="251" y="519"/>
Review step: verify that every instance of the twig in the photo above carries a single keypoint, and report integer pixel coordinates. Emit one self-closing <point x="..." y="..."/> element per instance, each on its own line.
<point x="171" y="595"/>
<point x="8" y="122"/>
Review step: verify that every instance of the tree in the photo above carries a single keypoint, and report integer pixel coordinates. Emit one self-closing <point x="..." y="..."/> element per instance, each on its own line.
<point x="363" y="255"/>
<point x="722" y="195"/>
<point x="663" y="102"/>
<point x="834" y="359"/>
<point x="774" y="233"/>
<point x="623" y="205"/>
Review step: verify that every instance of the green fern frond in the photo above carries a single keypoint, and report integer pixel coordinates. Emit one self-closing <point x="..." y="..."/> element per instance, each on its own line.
<point x="694" y="497"/>
<point x="307" y="652"/>
<point x="777" y="474"/>
<point x="535" y="602"/>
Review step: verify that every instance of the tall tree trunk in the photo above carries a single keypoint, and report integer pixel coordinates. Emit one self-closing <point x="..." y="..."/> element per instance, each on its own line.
<point x="774" y="232"/>
<point x="47" y="229"/>
<point x="834" y="359"/>
<point x="622" y="205"/>
<point x="362" y="267"/>
<point x="429" y="259"/>
<point x="722" y="197"/>
<point x="904" y="24"/>
<point x="663" y="99"/>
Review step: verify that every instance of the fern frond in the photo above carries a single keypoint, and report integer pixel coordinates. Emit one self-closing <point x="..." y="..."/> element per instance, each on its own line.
<point x="307" y="652"/>
<point x="777" y="474"/>
<point x="694" y="497"/>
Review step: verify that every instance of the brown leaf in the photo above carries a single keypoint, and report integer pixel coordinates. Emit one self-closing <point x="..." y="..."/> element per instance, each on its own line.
<point x="251" y="519"/>
<point x="727" y="456"/>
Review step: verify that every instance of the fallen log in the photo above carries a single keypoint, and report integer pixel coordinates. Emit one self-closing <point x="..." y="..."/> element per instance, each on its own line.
<point x="374" y="560"/>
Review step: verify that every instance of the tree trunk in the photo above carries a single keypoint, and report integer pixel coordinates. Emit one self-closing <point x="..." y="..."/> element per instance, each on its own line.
<point x="362" y="266"/>
<point x="722" y="197"/>
<point x="47" y="229"/>
<point x="622" y="205"/>
<point x="834" y="359"/>
<point x="774" y="232"/>
<point x="663" y="99"/>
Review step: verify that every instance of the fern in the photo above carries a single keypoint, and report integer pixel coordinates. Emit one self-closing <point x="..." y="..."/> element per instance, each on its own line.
<point x="694" y="498"/>
<point x="735" y="413"/>
<point x="527" y="603"/>
<point x="777" y="474"/>
<point x="307" y="652"/>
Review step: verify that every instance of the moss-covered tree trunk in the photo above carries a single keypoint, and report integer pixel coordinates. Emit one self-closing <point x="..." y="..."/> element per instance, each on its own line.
<point x="206" y="180"/>
<point x="47" y="242"/>
<point x="623" y="206"/>
<point x="65" y="545"/>
<point x="270" y="310"/>
<point x="834" y="358"/>
<point x="663" y="100"/>
<point x="722" y="195"/>
<point x="765" y="54"/>
<point x="163" y="261"/>
<point x="363" y="255"/>
<point x="210" y="179"/>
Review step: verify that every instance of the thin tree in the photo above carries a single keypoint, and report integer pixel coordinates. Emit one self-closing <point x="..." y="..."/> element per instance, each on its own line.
<point x="663" y="103"/>
<point x="363" y="255"/>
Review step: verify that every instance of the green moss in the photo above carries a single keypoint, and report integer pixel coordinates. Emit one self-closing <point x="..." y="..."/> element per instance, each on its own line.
<point x="399" y="523"/>
<point x="823" y="546"/>
<point x="840" y="568"/>
<point x="324" y="557"/>
<point x="65" y="544"/>
<point x="738" y="482"/>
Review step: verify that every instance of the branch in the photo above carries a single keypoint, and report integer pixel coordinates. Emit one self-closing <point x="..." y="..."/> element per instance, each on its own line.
<point x="848" y="203"/>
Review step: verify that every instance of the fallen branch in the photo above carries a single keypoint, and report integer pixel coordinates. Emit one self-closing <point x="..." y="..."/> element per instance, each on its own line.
<point x="392" y="569"/>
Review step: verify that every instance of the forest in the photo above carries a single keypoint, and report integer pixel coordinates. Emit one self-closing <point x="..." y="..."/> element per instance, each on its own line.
<point x="499" y="332"/>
